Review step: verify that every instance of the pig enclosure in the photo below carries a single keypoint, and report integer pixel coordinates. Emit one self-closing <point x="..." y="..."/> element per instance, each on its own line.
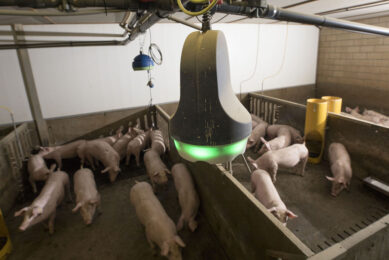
<point x="116" y="233"/>
<point x="233" y="224"/>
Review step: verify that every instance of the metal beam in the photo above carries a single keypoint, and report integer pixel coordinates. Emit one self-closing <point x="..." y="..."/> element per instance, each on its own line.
<point x="32" y="94"/>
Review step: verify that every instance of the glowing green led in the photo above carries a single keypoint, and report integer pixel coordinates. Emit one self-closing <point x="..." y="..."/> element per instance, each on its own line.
<point x="211" y="154"/>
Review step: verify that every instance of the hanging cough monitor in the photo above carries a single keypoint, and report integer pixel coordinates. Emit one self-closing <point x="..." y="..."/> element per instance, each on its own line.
<point x="210" y="123"/>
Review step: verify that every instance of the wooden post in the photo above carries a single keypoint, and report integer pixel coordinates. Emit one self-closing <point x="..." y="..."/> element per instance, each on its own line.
<point x="29" y="84"/>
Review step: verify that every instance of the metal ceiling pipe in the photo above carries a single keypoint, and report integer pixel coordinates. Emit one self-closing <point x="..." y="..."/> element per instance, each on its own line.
<point x="53" y="13"/>
<point x="152" y="18"/>
<point x="61" y="34"/>
<point x="32" y="3"/>
<point x="280" y="14"/>
<point x="63" y="44"/>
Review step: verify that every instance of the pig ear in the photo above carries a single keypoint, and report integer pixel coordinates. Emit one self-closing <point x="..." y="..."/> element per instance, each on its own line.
<point x="330" y="178"/>
<point x="20" y="212"/>
<point x="94" y="201"/>
<point x="165" y="249"/>
<point x="179" y="241"/>
<point x="78" y="206"/>
<point x="266" y="143"/>
<point x="273" y="209"/>
<point x="106" y="169"/>
<point x="155" y="173"/>
<point x="290" y="214"/>
<point x="37" y="211"/>
<point x="168" y="171"/>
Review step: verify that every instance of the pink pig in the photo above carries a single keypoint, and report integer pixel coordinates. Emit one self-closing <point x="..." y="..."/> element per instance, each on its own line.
<point x="87" y="196"/>
<point x="258" y="132"/>
<point x="187" y="196"/>
<point x="111" y="140"/>
<point x="281" y="136"/>
<point x="160" y="229"/>
<point x="156" y="169"/>
<point x="65" y="151"/>
<point x="121" y="145"/>
<point x="103" y="152"/>
<point x="136" y="146"/>
<point x="38" y="170"/>
<point x="265" y="191"/>
<point x="292" y="156"/>
<point x="340" y="167"/>
<point x="44" y="206"/>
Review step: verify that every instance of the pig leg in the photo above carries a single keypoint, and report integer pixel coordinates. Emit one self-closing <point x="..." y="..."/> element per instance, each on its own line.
<point x="181" y="222"/>
<point x="152" y="245"/>
<point x="57" y="157"/>
<point x="90" y="161"/>
<point x="51" y="223"/>
<point x="137" y="155"/>
<point x="33" y="185"/>
<point x="192" y="224"/>
<point x="301" y="166"/>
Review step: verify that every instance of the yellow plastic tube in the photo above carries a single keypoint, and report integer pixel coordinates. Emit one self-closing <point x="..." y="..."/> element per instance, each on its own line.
<point x="7" y="248"/>
<point x="315" y="124"/>
<point x="334" y="104"/>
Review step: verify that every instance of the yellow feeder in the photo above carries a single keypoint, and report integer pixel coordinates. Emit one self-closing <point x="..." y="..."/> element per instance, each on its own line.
<point x="315" y="124"/>
<point x="5" y="249"/>
<point x="334" y="104"/>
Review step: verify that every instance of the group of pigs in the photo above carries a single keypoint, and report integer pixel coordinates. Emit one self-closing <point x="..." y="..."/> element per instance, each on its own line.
<point x="107" y="150"/>
<point x="369" y="115"/>
<point x="160" y="229"/>
<point x="287" y="149"/>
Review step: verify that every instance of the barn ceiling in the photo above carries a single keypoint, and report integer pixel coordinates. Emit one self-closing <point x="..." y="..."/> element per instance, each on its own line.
<point x="345" y="9"/>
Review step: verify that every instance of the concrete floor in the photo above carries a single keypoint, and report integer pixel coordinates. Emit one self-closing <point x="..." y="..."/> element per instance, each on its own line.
<point x="323" y="220"/>
<point x="115" y="234"/>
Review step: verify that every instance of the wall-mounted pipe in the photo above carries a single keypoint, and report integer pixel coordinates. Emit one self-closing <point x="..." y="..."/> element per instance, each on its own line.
<point x="291" y="16"/>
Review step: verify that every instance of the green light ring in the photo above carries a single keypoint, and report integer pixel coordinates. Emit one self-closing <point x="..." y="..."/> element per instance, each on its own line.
<point x="209" y="153"/>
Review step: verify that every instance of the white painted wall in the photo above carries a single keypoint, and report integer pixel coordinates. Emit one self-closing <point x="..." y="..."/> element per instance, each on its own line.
<point x="81" y="80"/>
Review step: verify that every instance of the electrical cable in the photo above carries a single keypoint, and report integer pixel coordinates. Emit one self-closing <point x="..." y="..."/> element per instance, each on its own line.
<point x="203" y="11"/>
<point x="256" y="63"/>
<point x="283" y="59"/>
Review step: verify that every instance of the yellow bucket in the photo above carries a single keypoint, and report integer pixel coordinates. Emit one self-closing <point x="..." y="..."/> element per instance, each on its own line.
<point x="334" y="104"/>
<point x="5" y="241"/>
<point x="315" y="124"/>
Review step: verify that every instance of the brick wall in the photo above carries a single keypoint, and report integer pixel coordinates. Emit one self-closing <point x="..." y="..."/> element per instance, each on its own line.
<point x="355" y="66"/>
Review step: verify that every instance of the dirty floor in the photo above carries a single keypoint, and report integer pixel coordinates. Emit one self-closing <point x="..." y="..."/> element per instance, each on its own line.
<point x="115" y="234"/>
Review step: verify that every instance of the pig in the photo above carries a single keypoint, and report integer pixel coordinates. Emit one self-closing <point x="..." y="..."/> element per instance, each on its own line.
<point x="136" y="146"/>
<point x="255" y="118"/>
<point x="103" y="152"/>
<point x="65" y="151"/>
<point x="281" y="136"/>
<point x="264" y="190"/>
<point x="355" y="113"/>
<point x="160" y="229"/>
<point x="157" y="142"/>
<point x="187" y="196"/>
<point x="155" y="168"/>
<point x="44" y="206"/>
<point x="111" y="140"/>
<point x="38" y="170"/>
<point x="258" y="132"/>
<point x="87" y="196"/>
<point x="340" y="167"/>
<point x="384" y="120"/>
<point x="121" y="145"/>
<point x="292" y="156"/>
